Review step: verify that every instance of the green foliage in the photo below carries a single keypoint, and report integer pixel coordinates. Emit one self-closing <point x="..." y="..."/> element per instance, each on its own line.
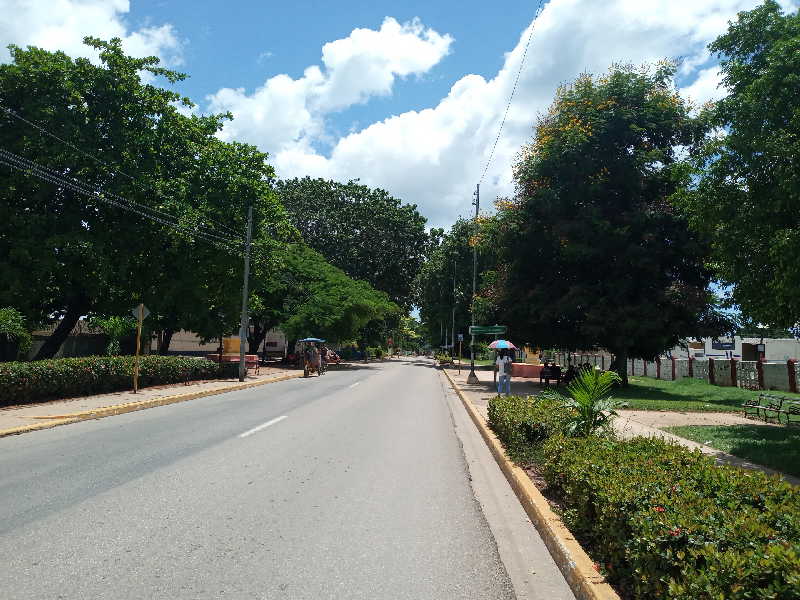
<point x="595" y="254"/>
<point x="115" y="328"/>
<point x="749" y="186"/>
<point x="365" y="232"/>
<point x="36" y="381"/>
<point x="665" y="522"/>
<point x="376" y="352"/>
<point x="523" y="424"/>
<point x="443" y="358"/>
<point x="589" y="406"/>
<point x="14" y="337"/>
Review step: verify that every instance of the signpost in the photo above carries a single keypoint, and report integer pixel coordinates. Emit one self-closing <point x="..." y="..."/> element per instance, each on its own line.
<point x="460" y="339"/>
<point x="140" y="312"/>
<point x="487" y="329"/>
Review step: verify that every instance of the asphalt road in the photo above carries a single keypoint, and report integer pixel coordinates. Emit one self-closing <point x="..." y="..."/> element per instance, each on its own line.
<point x="352" y="485"/>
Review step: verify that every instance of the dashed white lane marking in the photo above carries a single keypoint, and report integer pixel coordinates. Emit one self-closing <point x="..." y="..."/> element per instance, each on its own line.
<point x="354" y="385"/>
<point x="262" y="426"/>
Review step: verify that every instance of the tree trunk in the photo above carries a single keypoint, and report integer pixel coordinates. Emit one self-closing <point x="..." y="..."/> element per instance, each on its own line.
<point x="254" y="340"/>
<point x="621" y="364"/>
<point x="53" y="343"/>
<point x="165" y="341"/>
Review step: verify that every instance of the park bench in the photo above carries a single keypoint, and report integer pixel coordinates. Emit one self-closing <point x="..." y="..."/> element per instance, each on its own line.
<point x="765" y="404"/>
<point x="545" y="375"/>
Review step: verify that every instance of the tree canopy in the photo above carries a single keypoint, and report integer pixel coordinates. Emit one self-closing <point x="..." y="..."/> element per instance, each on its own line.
<point x="366" y="232"/>
<point x="748" y="190"/>
<point x="595" y="255"/>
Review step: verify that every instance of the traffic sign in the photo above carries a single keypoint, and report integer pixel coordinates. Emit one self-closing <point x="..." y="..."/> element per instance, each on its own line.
<point x="145" y="311"/>
<point x="487" y="329"/>
<point x="460" y="337"/>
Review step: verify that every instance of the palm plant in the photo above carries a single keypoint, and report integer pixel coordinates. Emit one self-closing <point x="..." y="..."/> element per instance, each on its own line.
<point x="589" y="402"/>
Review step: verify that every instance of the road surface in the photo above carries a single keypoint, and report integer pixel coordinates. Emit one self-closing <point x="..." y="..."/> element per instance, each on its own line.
<point x="352" y="485"/>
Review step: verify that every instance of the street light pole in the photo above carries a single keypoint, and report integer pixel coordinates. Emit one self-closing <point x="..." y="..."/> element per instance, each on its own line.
<point x="243" y="326"/>
<point x="472" y="378"/>
<point x="453" y="328"/>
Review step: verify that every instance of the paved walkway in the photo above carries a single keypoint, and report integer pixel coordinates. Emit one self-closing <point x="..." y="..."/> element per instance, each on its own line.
<point x="27" y="414"/>
<point x="631" y="423"/>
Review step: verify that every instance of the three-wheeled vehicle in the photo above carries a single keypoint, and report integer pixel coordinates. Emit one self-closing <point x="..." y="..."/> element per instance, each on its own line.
<point x="313" y="362"/>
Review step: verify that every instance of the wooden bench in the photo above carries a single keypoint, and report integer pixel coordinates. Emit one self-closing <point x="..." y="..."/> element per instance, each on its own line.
<point x="765" y="404"/>
<point x="547" y="374"/>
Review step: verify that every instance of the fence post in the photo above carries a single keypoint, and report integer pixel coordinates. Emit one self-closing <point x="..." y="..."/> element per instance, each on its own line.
<point x="760" y="373"/>
<point x="603" y="362"/>
<point x="658" y="367"/>
<point x="691" y="366"/>
<point x="790" y="367"/>
<point x="633" y="367"/>
<point x="734" y="383"/>
<point x="673" y="368"/>
<point x="711" y="375"/>
<point x="644" y="367"/>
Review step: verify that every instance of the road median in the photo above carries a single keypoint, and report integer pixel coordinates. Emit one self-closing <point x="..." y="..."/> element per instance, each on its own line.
<point x="578" y="569"/>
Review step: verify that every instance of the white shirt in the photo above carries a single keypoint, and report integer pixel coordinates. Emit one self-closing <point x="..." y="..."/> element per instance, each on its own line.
<point x="503" y="365"/>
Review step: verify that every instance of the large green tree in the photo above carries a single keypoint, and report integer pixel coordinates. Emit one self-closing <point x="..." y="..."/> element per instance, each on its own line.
<point x="595" y="254"/>
<point x="748" y="194"/>
<point x="64" y="255"/>
<point x="366" y="232"/>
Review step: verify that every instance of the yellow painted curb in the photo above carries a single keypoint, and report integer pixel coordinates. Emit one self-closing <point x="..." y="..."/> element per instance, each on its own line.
<point x="119" y="409"/>
<point x="576" y="566"/>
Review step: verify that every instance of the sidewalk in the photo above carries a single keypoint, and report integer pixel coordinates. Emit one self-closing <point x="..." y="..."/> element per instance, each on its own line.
<point x="12" y="417"/>
<point x="631" y="423"/>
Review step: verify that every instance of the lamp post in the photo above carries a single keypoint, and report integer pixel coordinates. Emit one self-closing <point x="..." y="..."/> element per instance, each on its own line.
<point x="472" y="378"/>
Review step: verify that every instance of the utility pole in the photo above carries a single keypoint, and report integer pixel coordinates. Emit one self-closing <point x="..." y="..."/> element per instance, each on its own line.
<point x="453" y="328"/>
<point x="472" y="378"/>
<point x="245" y="319"/>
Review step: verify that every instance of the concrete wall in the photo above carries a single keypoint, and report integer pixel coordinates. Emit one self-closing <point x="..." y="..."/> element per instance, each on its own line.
<point x="776" y="376"/>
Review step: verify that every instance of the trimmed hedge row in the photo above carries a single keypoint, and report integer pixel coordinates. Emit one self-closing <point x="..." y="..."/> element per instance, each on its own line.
<point x="26" y="382"/>
<point x="661" y="520"/>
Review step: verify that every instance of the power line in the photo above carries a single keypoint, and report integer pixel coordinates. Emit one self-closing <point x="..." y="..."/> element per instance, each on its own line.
<point x="513" y="90"/>
<point x="114" y="170"/>
<point x="52" y="176"/>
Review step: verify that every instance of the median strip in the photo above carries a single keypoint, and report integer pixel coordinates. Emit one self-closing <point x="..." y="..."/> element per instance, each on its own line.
<point x="576" y="566"/>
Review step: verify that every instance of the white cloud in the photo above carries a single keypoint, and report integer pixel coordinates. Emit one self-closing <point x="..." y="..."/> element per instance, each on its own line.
<point x="286" y="114"/>
<point x="62" y="24"/>
<point x="434" y="157"/>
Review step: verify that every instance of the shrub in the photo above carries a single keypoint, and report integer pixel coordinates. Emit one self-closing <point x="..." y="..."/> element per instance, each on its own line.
<point x="524" y="423"/>
<point x="25" y="382"/>
<point x="666" y="522"/>
<point x="14" y="337"/>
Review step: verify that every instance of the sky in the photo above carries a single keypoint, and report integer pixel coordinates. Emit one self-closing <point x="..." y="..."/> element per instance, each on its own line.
<point x="406" y="96"/>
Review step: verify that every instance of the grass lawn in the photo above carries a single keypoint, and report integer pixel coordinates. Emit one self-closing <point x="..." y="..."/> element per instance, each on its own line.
<point x="774" y="447"/>
<point x="647" y="393"/>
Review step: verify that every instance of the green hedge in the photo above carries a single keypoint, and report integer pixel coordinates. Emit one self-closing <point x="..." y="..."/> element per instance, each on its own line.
<point x="662" y="521"/>
<point x="25" y="382"/>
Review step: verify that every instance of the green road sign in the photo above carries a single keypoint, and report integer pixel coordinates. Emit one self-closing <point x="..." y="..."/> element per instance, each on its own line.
<point x="487" y="329"/>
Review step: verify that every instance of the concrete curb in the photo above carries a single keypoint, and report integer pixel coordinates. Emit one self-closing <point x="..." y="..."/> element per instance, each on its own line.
<point x="576" y="566"/>
<point x="119" y="409"/>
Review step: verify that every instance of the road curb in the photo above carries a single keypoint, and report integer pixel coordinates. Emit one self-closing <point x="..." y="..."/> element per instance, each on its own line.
<point x="119" y="409"/>
<point x="576" y="566"/>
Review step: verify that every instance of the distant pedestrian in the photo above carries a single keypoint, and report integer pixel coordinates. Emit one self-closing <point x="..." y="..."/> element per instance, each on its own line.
<point x="503" y="364"/>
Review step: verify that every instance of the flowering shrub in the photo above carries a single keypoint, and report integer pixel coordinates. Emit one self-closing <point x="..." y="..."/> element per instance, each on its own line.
<point x="25" y="382"/>
<point x="666" y="522"/>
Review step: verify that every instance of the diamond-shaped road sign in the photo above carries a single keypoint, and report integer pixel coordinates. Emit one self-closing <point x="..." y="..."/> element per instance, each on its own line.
<point x="135" y="312"/>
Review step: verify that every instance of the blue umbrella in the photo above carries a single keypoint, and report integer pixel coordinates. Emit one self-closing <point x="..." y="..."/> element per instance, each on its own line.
<point x="502" y="344"/>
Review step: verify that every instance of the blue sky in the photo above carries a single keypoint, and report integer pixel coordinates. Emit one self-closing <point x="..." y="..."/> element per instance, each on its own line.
<point x="403" y="96"/>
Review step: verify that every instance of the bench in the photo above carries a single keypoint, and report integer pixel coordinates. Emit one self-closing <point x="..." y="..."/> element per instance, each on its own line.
<point x="547" y="374"/>
<point x="778" y="405"/>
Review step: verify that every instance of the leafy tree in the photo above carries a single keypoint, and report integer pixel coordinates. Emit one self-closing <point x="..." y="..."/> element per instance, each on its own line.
<point x="594" y="253"/>
<point x="15" y="340"/>
<point x="748" y="193"/>
<point x="115" y="328"/>
<point x="365" y="232"/>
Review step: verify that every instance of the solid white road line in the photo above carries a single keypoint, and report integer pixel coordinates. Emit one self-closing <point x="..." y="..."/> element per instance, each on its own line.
<point x="354" y="385"/>
<point x="262" y="426"/>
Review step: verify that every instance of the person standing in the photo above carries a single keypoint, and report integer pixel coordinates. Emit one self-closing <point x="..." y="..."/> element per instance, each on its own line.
<point x="503" y="363"/>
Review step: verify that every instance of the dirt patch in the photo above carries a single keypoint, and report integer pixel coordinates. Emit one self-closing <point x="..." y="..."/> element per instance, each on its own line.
<point x="663" y="418"/>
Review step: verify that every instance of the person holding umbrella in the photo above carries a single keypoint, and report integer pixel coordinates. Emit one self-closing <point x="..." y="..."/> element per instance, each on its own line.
<point x="503" y="365"/>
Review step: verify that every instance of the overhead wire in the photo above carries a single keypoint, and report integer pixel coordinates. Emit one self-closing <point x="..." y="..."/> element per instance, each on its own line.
<point x="114" y="170"/>
<point x="513" y="89"/>
<point x="52" y="176"/>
